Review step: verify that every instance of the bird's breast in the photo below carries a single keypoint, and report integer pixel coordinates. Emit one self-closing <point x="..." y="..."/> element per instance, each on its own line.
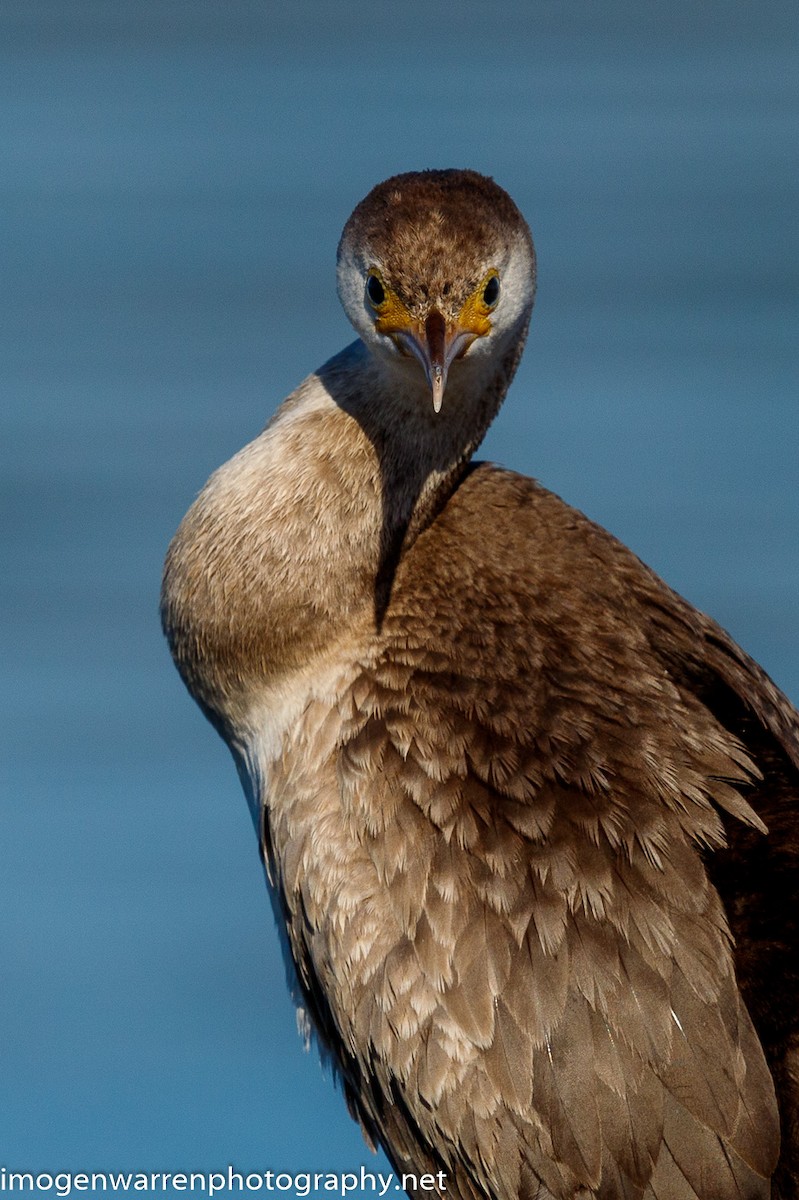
<point x="274" y="563"/>
<point x="351" y="859"/>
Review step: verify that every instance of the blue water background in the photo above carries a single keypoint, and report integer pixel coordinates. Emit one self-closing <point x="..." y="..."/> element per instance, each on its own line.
<point x="174" y="180"/>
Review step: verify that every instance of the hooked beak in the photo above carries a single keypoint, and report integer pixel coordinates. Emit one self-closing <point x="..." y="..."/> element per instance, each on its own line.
<point x="436" y="345"/>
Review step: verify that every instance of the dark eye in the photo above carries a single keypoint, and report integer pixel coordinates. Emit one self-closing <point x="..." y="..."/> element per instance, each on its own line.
<point x="375" y="291"/>
<point x="491" y="292"/>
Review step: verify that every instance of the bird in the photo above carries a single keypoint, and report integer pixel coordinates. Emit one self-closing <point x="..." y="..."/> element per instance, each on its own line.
<point x="529" y="819"/>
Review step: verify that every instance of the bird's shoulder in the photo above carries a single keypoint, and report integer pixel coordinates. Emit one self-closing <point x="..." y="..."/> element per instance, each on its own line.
<point x="511" y="579"/>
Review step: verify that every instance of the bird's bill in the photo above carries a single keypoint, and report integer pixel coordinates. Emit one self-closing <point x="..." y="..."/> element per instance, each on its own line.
<point x="436" y="344"/>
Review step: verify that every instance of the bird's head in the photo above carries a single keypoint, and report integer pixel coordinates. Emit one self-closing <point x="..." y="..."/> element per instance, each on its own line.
<point x="435" y="269"/>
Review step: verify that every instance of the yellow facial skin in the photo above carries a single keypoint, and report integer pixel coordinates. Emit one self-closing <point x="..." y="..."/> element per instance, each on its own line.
<point x="393" y="316"/>
<point x="433" y="340"/>
<point x="474" y="315"/>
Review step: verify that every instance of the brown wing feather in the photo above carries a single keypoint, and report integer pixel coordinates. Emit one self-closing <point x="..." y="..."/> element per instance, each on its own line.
<point x="508" y="928"/>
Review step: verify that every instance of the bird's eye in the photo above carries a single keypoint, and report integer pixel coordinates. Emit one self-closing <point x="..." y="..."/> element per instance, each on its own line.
<point x="491" y="292"/>
<point x="375" y="292"/>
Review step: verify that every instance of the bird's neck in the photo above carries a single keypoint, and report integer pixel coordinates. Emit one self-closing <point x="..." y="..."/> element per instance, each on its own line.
<point x="292" y="545"/>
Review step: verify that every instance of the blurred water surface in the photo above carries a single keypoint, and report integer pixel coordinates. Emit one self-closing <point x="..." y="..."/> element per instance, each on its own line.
<point x="175" y="178"/>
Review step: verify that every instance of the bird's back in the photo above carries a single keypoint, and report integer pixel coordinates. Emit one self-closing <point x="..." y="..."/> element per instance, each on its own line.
<point x="492" y="848"/>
